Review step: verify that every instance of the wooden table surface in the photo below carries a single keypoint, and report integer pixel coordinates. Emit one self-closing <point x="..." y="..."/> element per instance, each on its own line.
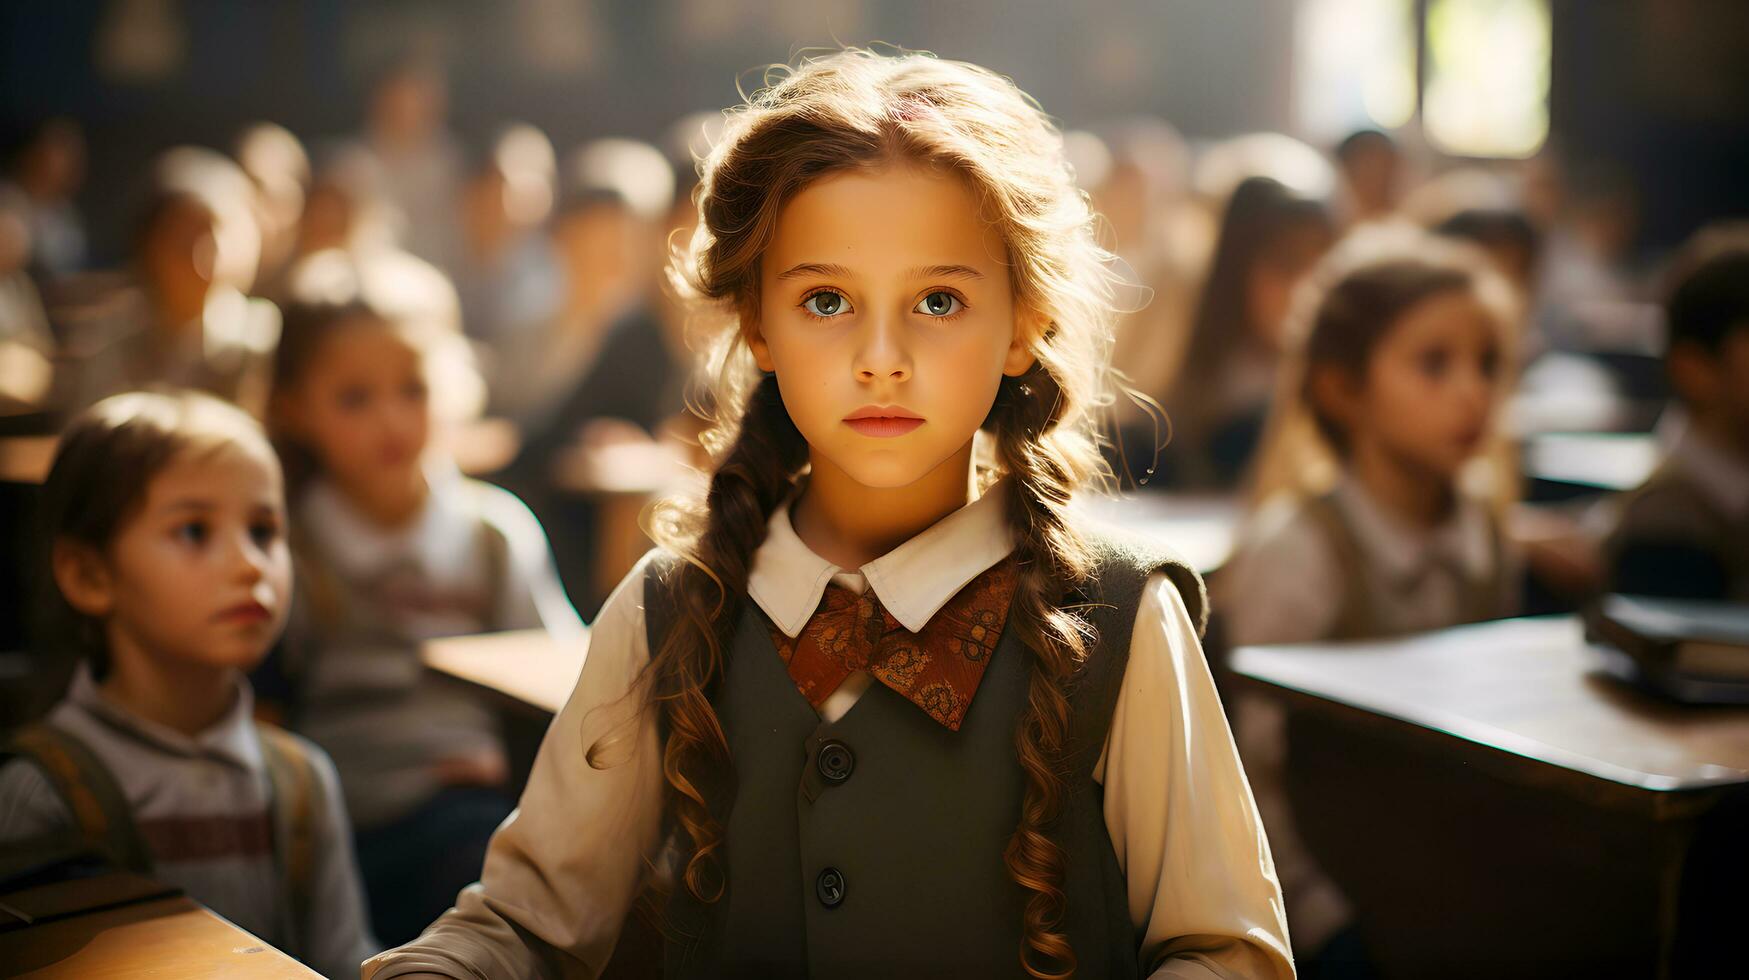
<point x="1529" y="687"/>
<point x="1493" y="804"/>
<point x="171" y="938"/>
<point x="526" y="666"/>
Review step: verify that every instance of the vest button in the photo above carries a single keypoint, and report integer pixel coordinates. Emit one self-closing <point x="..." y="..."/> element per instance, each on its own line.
<point x="835" y="761"/>
<point x="830" y="887"/>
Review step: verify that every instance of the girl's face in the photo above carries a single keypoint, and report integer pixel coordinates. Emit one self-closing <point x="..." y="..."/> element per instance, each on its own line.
<point x="201" y="575"/>
<point x="363" y="408"/>
<point x="1431" y="383"/>
<point x="887" y="312"/>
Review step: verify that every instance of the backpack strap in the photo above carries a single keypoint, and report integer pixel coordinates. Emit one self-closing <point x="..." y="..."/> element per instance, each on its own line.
<point x="296" y="803"/>
<point x="102" y="819"/>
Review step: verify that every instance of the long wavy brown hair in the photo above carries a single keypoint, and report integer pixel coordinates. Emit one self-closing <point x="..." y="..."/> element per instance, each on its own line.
<point x="858" y="110"/>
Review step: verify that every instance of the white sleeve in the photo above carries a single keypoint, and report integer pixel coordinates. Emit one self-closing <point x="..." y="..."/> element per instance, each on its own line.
<point x="1202" y="888"/>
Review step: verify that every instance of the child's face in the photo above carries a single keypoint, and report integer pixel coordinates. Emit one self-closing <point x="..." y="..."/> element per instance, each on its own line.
<point x="363" y="408"/>
<point x="887" y="312"/>
<point x="202" y="574"/>
<point x="1431" y="384"/>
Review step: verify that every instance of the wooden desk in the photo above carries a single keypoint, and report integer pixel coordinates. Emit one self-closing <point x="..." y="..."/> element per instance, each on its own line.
<point x="526" y="668"/>
<point x="169" y="937"/>
<point x="1490" y="801"/>
<point x="1200" y="528"/>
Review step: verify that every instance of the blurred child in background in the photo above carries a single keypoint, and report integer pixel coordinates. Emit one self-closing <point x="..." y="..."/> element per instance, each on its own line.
<point x="171" y="579"/>
<point x="186" y="318"/>
<point x="395" y="547"/>
<point x="509" y="277"/>
<point x="1367" y="527"/>
<point x="1270" y="237"/>
<point x="1686" y="531"/>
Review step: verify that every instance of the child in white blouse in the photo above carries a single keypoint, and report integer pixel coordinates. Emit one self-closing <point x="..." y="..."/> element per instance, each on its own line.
<point x="395" y="547"/>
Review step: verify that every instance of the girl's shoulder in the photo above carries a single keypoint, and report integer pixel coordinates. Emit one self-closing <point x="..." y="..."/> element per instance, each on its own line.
<point x="1124" y="564"/>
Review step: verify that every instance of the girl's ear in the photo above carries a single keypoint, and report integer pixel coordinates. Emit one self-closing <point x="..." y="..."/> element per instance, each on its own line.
<point x="1029" y="328"/>
<point x="83" y="577"/>
<point x="1335" y="393"/>
<point x="756" y="343"/>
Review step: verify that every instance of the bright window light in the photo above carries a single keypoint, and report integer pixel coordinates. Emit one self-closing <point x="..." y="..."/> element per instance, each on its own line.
<point x="1355" y="66"/>
<point x="1487" y="81"/>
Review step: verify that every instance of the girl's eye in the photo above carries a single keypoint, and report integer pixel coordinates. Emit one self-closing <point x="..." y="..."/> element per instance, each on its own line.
<point x="191" y="532"/>
<point x="264" y="533"/>
<point x="939" y="304"/>
<point x="1491" y="364"/>
<point x="352" y="398"/>
<point x="1433" y="363"/>
<point x="413" y="390"/>
<point x="826" y="304"/>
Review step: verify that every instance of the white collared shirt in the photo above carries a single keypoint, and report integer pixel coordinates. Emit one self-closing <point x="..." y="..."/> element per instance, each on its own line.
<point x="563" y="871"/>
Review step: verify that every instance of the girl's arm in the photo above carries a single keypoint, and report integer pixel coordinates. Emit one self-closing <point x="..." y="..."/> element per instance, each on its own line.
<point x="1202" y="887"/>
<point x="562" y="872"/>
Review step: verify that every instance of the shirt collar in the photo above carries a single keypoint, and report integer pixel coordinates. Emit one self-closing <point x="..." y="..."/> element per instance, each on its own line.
<point x="913" y="580"/>
<point x="1719" y="474"/>
<point x="1402" y="553"/>
<point x="231" y="738"/>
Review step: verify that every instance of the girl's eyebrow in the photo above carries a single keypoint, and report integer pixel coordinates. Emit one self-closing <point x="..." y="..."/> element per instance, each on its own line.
<point x="945" y="272"/>
<point x="806" y="269"/>
<point x="816" y="269"/>
<point x="189" y="503"/>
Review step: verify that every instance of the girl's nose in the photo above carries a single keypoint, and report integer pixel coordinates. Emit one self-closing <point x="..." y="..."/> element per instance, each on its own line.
<point x="882" y="353"/>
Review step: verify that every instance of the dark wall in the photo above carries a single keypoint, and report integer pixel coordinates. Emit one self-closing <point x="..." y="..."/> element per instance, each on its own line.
<point x="1660" y="89"/>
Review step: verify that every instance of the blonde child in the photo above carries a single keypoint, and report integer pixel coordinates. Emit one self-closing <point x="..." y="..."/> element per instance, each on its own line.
<point x="879" y="705"/>
<point x="172" y="578"/>
<point x="1371" y="522"/>
<point x="396" y="547"/>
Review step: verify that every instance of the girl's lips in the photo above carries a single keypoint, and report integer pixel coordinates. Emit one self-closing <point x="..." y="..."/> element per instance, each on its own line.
<point x="883" y="426"/>
<point x="245" y="612"/>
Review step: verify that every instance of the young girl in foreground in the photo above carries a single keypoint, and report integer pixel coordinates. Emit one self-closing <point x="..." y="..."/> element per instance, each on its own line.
<point x="395" y="547"/>
<point x="881" y="708"/>
<point x="1367" y="527"/>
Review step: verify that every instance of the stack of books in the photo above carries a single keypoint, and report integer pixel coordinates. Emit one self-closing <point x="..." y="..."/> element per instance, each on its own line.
<point x="1692" y="651"/>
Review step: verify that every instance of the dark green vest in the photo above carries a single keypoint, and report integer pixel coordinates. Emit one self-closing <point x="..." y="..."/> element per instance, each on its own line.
<point x="872" y="846"/>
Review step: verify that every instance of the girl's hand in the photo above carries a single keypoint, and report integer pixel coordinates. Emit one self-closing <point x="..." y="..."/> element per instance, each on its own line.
<point x="487" y="767"/>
